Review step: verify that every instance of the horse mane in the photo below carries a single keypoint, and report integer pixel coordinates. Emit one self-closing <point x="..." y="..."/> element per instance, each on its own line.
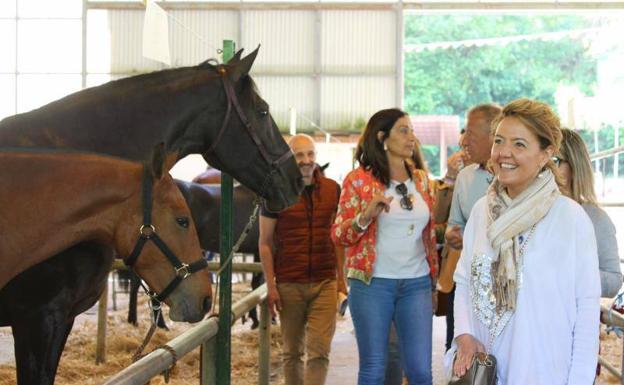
<point x="156" y="81"/>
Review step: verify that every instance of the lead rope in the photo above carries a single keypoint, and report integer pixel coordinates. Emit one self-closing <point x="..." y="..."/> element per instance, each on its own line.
<point x="252" y="219"/>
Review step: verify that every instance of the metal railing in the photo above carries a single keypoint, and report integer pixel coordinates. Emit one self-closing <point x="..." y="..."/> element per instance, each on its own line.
<point x="100" y="345"/>
<point x="202" y="334"/>
<point x="608" y="316"/>
<point x="612" y="318"/>
<point x="602" y="155"/>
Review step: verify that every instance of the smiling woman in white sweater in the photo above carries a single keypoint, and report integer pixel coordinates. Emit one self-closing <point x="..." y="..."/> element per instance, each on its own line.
<point x="528" y="285"/>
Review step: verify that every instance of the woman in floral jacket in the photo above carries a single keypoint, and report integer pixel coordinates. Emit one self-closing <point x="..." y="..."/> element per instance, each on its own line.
<point x="384" y="219"/>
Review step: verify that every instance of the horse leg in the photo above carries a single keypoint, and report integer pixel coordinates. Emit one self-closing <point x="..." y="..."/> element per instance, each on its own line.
<point x="39" y="343"/>
<point x="40" y="305"/>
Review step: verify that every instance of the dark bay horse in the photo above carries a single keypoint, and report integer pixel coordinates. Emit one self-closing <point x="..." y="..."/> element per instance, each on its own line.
<point x="211" y="110"/>
<point x="206" y="109"/>
<point x="54" y="200"/>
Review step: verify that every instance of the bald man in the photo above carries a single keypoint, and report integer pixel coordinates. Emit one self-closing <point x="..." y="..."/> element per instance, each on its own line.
<point x="302" y="269"/>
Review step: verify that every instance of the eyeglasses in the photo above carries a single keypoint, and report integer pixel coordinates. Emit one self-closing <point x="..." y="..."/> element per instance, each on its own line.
<point x="406" y="202"/>
<point x="557" y="160"/>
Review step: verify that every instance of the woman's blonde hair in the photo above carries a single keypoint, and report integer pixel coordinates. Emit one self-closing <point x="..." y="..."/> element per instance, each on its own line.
<point x="540" y="119"/>
<point x="574" y="151"/>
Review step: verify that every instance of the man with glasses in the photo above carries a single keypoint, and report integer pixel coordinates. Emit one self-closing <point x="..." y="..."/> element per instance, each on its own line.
<point x="471" y="184"/>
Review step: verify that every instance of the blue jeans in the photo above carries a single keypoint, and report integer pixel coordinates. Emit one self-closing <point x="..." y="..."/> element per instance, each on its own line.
<point x="407" y="303"/>
<point x="394" y="372"/>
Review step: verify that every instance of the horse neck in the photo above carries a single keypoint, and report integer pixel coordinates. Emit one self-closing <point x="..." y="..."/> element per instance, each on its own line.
<point x="143" y="110"/>
<point x="62" y="204"/>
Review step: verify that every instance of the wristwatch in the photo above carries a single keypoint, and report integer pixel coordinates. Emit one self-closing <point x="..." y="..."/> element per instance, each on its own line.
<point x="356" y="224"/>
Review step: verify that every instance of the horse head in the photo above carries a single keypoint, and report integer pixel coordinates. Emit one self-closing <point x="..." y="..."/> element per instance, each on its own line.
<point x="163" y="247"/>
<point x="253" y="151"/>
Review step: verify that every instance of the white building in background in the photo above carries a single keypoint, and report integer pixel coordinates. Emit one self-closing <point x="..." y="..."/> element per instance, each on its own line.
<point x="336" y="62"/>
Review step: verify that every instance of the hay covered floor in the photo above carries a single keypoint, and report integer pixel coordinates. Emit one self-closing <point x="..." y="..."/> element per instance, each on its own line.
<point x="78" y="362"/>
<point x="77" y="366"/>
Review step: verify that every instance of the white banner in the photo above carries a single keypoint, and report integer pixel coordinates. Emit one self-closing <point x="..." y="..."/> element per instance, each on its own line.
<point x="156" y="33"/>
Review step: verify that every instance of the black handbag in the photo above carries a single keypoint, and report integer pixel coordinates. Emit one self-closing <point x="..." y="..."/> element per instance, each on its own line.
<point x="481" y="372"/>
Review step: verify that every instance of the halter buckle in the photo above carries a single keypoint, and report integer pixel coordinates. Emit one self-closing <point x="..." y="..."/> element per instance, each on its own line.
<point x="147" y="231"/>
<point x="183" y="271"/>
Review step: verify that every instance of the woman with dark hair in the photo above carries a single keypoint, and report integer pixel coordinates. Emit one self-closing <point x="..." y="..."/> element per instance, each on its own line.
<point x="384" y="219"/>
<point x="575" y="167"/>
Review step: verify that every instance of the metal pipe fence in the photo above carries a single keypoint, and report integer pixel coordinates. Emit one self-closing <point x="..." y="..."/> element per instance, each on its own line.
<point x="203" y="334"/>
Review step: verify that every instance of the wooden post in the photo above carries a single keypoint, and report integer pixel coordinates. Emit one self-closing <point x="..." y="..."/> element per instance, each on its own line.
<point x="100" y="349"/>
<point x="264" y="339"/>
<point x="224" y="337"/>
<point x="207" y="363"/>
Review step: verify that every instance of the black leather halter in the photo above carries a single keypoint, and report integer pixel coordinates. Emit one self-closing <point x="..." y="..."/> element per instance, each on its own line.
<point x="147" y="232"/>
<point x="232" y="100"/>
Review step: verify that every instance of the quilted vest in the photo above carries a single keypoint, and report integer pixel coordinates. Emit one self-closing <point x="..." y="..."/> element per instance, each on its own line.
<point x="304" y="251"/>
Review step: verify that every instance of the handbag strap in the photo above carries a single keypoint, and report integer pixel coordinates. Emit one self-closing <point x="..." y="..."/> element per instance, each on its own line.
<point x="521" y="255"/>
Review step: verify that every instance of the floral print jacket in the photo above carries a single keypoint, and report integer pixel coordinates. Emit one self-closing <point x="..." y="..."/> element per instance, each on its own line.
<point x="358" y="189"/>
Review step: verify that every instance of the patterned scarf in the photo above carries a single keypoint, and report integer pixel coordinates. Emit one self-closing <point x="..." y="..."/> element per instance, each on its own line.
<point x="507" y="219"/>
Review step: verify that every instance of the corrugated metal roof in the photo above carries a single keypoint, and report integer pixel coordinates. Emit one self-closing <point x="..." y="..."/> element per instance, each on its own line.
<point x="287" y="39"/>
<point x="356" y="42"/>
<point x="195" y="35"/>
<point x="348" y="102"/>
<point x="282" y="93"/>
<point x="355" y="79"/>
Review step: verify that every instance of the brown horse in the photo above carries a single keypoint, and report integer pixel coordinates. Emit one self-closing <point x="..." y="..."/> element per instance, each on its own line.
<point x="52" y="201"/>
<point x="212" y="110"/>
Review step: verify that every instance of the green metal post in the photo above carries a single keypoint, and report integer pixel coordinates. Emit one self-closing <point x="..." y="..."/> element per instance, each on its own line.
<point x="224" y="337"/>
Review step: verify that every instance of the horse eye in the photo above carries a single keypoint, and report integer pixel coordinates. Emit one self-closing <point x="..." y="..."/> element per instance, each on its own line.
<point x="264" y="113"/>
<point x="183" y="221"/>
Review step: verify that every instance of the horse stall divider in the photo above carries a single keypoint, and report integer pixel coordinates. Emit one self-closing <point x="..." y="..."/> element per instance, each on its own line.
<point x="264" y="340"/>
<point x="159" y="360"/>
<point x="100" y="351"/>
<point x="224" y="339"/>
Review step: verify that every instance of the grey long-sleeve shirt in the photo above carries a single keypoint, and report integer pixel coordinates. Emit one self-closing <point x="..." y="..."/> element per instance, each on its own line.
<point x="608" y="255"/>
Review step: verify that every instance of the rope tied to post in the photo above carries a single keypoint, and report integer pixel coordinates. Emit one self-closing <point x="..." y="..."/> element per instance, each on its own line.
<point x="167" y="372"/>
<point x="252" y="219"/>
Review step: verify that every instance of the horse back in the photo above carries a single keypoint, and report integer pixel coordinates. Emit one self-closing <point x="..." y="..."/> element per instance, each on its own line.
<point x="204" y="202"/>
<point x="52" y="200"/>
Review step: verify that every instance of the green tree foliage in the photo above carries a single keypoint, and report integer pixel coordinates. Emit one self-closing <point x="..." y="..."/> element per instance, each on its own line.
<point x="449" y="81"/>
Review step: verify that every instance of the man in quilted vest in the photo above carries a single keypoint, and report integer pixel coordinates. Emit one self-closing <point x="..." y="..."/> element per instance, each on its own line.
<point x="302" y="271"/>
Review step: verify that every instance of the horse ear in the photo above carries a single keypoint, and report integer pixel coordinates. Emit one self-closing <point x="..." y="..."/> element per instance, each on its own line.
<point x="243" y="66"/>
<point x="236" y="58"/>
<point x="158" y="160"/>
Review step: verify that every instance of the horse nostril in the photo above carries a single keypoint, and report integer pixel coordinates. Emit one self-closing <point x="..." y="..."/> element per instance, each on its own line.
<point x="207" y="304"/>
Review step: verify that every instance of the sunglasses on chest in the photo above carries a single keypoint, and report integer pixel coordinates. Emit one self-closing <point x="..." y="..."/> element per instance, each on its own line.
<point x="406" y="201"/>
